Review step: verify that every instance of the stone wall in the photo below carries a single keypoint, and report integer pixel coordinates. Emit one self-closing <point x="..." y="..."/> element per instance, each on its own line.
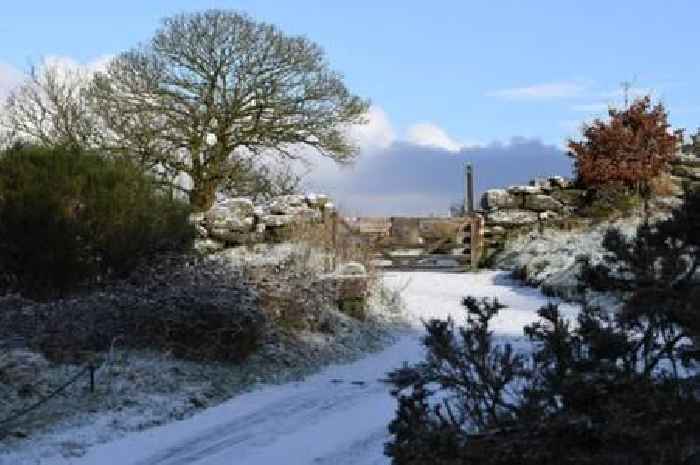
<point x="542" y="201"/>
<point x="686" y="170"/>
<point x="238" y="221"/>
<point x="554" y="202"/>
<point x="555" y="199"/>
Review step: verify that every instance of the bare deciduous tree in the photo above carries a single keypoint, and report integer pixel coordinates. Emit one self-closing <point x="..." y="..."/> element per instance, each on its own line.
<point x="50" y="108"/>
<point x="214" y="86"/>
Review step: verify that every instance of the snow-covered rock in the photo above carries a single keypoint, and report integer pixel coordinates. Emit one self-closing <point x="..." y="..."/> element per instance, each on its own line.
<point x="560" y="182"/>
<point x="551" y="260"/>
<point x="532" y="190"/>
<point x="352" y="269"/>
<point x="259" y="211"/>
<point x="237" y="220"/>
<point x="540" y="202"/>
<point x="228" y="235"/>
<point x="498" y="198"/>
<point x="276" y="221"/>
<point x="207" y="245"/>
<point x="21" y="367"/>
<point x="511" y="217"/>
<point x="569" y="197"/>
<point x="239" y="206"/>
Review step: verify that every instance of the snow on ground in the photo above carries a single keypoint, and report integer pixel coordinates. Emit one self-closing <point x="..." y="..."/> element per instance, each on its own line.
<point x="550" y="260"/>
<point x="338" y="416"/>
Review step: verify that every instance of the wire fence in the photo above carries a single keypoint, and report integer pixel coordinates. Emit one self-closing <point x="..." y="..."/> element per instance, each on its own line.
<point x="89" y="371"/>
<point x="25" y="411"/>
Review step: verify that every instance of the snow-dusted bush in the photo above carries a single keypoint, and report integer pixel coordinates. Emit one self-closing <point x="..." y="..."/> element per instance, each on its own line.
<point x="588" y="395"/>
<point x="197" y="309"/>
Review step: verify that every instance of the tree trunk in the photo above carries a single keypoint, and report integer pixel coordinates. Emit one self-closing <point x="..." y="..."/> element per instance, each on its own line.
<point x="202" y="195"/>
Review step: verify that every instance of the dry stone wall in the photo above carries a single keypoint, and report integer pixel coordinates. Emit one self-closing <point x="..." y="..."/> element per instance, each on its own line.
<point x="686" y="170"/>
<point x="542" y="200"/>
<point x="554" y="199"/>
<point x="238" y="221"/>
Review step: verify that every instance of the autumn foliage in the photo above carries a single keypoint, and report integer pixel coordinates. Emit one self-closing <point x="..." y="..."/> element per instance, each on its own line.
<point x="634" y="146"/>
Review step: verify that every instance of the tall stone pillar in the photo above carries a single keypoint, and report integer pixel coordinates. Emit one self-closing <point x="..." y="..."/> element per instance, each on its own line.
<point x="469" y="190"/>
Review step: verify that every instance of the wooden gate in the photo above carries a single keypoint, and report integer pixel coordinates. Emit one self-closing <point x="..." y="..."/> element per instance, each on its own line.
<point x="414" y="243"/>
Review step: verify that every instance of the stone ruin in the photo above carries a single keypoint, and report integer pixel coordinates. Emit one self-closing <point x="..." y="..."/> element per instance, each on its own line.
<point x="238" y="221"/>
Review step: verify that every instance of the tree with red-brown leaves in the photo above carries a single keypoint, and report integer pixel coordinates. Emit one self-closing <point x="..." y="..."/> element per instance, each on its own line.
<point x="632" y="147"/>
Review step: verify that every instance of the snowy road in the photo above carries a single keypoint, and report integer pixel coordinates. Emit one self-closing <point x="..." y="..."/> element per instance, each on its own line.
<point x="338" y="416"/>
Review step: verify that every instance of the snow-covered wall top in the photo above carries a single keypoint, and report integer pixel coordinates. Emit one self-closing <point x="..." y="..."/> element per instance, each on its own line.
<point x="239" y="221"/>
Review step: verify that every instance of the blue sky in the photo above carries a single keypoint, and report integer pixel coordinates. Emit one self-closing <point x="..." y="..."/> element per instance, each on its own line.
<point x="442" y="73"/>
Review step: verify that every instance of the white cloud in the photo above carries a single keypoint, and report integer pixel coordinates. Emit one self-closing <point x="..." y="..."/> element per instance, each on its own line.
<point x="552" y="90"/>
<point x="69" y="67"/>
<point x="591" y="107"/>
<point x="377" y="134"/>
<point x="431" y="135"/>
<point x="632" y="93"/>
<point x="9" y="78"/>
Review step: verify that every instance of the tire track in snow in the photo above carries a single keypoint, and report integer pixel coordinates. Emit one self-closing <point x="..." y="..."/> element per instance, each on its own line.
<point x="257" y="429"/>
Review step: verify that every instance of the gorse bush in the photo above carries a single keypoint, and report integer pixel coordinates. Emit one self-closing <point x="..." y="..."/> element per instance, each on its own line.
<point x="587" y="395"/>
<point x="609" y="388"/>
<point x="658" y="271"/>
<point x="70" y="218"/>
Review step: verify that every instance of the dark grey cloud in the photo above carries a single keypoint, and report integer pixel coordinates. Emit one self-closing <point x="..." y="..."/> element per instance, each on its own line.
<point x="407" y="179"/>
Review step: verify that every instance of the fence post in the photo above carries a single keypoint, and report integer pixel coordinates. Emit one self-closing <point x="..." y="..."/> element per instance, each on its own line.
<point x="335" y="239"/>
<point x="476" y="240"/>
<point x="92" y="377"/>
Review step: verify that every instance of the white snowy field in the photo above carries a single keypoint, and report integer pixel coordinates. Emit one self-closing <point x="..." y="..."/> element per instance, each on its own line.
<point x="338" y="416"/>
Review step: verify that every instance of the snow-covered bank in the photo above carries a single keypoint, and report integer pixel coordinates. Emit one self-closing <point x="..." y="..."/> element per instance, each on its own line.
<point x="138" y="388"/>
<point x="338" y="416"/>
<point x="551" y="260"/>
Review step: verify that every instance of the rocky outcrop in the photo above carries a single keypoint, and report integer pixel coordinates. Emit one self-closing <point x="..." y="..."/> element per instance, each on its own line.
<point x="551" y="260"/>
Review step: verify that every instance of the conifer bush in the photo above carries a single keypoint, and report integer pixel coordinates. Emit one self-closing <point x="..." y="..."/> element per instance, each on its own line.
<point x="610" y="388"/>
<point x="70" y="218"/>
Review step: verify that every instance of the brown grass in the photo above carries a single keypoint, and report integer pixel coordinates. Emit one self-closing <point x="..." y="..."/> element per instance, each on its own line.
<point x="663" y="185"/>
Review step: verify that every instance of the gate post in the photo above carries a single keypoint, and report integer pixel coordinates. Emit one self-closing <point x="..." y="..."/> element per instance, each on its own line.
<point x="476" y="240"/>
